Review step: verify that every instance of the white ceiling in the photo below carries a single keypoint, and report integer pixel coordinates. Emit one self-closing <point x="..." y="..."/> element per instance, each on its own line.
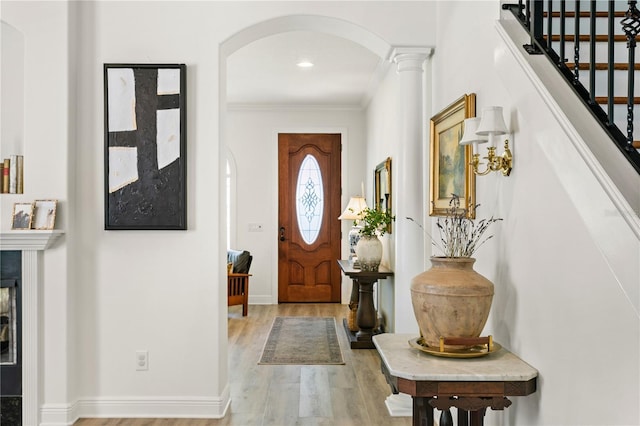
<point x="265" y="72"/>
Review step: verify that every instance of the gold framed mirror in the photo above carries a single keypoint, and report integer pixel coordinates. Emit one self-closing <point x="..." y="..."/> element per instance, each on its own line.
<point x="382" y="187"/>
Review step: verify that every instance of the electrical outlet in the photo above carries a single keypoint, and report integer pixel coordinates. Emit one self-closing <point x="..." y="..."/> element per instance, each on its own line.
<point x="142" y="360"/>
<point x="256" y="227"/>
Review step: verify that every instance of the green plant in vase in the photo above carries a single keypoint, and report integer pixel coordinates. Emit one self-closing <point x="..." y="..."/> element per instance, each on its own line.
<point x="373" y="223"/>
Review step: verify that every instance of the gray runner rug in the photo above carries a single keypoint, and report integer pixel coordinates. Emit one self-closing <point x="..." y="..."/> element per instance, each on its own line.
<point x="302" y="341"/>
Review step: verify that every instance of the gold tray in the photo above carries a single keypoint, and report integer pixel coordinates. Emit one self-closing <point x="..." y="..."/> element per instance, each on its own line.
<point x="472" y="352"/>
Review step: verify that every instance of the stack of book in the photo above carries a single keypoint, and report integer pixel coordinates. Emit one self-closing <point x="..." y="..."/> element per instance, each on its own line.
<point x="12" y="174"/>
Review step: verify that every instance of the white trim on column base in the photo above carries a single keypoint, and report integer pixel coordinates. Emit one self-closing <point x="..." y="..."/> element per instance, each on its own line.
<point x="399" y="405"/>
<point x="58" y="414"/>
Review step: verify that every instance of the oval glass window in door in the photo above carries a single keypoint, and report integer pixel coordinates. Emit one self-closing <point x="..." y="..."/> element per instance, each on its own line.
<point x="309" y="199"/>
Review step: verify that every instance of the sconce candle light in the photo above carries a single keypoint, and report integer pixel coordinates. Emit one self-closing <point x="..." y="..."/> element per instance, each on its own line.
<point x="477" y="131"/>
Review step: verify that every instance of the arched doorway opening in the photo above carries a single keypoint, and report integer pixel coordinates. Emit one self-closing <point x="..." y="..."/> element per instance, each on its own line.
<point x="320" y="24"/>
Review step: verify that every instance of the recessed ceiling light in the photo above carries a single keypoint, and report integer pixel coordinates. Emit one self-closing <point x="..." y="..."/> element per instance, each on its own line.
<point x="305" y="64"/>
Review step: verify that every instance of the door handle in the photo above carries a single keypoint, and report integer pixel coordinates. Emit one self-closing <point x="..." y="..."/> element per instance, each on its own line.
<point x="282" y="233"/>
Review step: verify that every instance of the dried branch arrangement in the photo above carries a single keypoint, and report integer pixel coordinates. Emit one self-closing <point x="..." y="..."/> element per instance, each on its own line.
<point x="459" y="235"/>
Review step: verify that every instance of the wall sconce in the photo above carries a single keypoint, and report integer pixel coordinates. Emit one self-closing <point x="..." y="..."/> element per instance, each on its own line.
<point x="476" y="131"/>
<point x="352" y="212"/>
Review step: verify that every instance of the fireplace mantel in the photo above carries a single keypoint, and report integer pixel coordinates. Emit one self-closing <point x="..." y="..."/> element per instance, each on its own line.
<point x="30" y="243"/>
<point x="29" y="240"/>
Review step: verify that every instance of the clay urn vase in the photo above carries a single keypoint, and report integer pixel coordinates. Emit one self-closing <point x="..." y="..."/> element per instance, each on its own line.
<point x="451" y="300"/>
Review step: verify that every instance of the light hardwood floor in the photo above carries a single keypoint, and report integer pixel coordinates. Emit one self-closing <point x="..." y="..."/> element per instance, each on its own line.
<point x="283" y="395"/>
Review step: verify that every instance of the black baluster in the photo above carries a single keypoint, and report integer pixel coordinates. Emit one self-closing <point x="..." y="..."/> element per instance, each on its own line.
<point x="631" y="27"/>
<point x="521" y="14"/>
<point x="563" y="19"/>
<point x="592" y="51"/>
<point x="536" y="25"/>
<point x="576" y="44"/>
<point x="610" y="62"/>
<point x="549" y="23"/>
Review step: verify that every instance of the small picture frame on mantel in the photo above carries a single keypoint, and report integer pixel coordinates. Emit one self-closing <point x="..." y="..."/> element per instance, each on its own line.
<point x="44" y="216"/>
<point x="22" y="216"/>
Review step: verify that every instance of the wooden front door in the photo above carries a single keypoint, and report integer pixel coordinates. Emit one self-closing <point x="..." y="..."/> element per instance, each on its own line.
<point x="308" y="210"/>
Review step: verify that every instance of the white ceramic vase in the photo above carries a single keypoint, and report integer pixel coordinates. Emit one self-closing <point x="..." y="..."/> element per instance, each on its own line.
<point x="369" y="252"/>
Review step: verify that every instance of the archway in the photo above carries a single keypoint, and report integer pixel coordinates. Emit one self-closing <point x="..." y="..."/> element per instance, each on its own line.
<point x="321" y="24"/>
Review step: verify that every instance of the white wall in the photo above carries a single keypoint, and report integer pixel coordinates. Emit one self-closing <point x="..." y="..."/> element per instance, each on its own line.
<point x="156" y="291"/>
<point x="560" y="294"/>
<point x="252" y="139"/>
<point x="40" y="131"/>
<point x="557" y="290"/>
<point x="11" y="91"/>
<point x="108" y="294"/>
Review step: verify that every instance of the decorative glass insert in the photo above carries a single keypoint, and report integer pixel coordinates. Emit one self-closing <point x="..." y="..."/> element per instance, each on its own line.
<point x="309" y="199"/>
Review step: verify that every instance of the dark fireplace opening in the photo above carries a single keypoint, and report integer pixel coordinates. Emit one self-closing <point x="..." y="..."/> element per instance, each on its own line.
<point x="10" y="337"/>
<point x="8" y="323"/>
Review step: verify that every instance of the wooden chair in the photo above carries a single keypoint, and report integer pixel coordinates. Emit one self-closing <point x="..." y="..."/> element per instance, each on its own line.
<point x="238" y="279"/>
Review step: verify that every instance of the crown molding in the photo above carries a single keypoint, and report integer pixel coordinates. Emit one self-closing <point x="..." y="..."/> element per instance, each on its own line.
<point x="232" y="106"/>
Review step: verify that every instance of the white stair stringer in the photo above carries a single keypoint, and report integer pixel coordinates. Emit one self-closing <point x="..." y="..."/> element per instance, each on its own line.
<point x="614" y="224"/>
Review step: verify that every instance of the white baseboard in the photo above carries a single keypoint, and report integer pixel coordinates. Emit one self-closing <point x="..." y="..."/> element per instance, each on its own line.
<point x="136" y="407"/>
<point x="261" y="300"/>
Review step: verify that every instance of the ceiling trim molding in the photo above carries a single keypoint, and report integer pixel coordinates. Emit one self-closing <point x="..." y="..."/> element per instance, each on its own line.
<point x="232" y="106"/>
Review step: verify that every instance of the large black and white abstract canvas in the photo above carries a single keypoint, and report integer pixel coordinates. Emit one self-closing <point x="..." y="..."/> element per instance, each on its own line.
<point x="145" y="146"/>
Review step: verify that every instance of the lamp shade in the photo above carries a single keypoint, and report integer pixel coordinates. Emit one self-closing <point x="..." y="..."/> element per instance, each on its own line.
<point x="492" y="122"/>
<point x="356" y="205"/>
<point x="470" y="136"/>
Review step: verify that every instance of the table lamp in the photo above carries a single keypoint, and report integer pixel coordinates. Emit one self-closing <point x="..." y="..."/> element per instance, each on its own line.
<point x="353" y="212"/>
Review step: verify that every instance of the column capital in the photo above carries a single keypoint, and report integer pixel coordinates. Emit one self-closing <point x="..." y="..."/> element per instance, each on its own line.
<point x="410" y="58"/>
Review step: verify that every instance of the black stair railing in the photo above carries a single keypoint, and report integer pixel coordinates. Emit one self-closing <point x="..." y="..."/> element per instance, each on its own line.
<point x="532" y="14"/>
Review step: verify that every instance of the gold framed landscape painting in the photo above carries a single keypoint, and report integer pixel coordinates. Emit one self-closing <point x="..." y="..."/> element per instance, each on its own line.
<point x="450" y="172"/>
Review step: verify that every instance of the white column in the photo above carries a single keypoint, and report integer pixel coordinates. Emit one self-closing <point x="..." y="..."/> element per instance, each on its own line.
<point x="410" y="189"/>
<point x="408" y="197"/>
<point x="31" y="389"/>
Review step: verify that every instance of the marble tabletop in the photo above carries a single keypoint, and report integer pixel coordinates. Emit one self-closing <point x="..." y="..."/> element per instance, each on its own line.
<point x="409" y="363"/>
